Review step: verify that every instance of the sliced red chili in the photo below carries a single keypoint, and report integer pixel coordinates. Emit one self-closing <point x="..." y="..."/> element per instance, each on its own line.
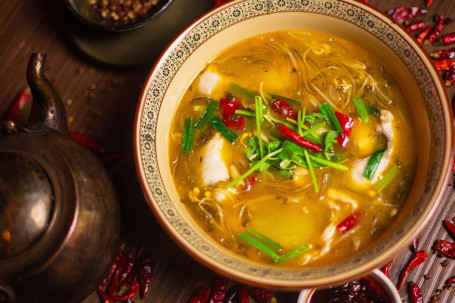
<point x="200" y="295"/>
<point x="415" y="26"/>
<point x="416" y="293"/>
<point x="445" y="247"/>
<point x="230" y="118"/>
<point x="386" y="268"/>
<point x="296" y="138"/>
<point x="418" y="258"/>
<point x="219" y="290"/>
<point x="283" y="108"/>
<point x="346" y="123"/>
<point x="349" y="222"/>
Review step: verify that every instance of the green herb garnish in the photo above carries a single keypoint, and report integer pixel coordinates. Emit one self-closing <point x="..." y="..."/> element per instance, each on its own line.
<point x="292" y="253"/>
<point x="373" y="164"/>
<point x="187" y="135"/>
<point x="329" y="114"/>
<point x="207" y="114"/>
<point x="373" y="111"/>
<point x="258" y="244"/>
<point x="259" y="117"/>
<point x="225" y="131"/>
<point x="237" y="89"/>
<point x="361" y="109"/>
<point x="329" y="140"/>
<point x="310" y="168"/>
<point x="387" y="178"/>
<point x="264" y="239"/>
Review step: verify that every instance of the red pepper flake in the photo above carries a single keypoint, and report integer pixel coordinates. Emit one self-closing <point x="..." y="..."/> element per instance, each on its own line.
<point x="349" y="222"/>
<point x="419" y="258"/>
<point x="230" y="118"/>
<point x="448" y="38"/>
<point x="416" y="293"/>
<point x="346" y="124"/>
<point x="449" y="77"/>
<point x="421" y="37"/>
<point x="386" y="268"/>
<point x="444" y="247"/>
<point x="296" y="138"/>
<point x="283" y="108"/>
<point x="415" y="26"/>
<point x="406" y="12"/>
<point x="200" y="295"/>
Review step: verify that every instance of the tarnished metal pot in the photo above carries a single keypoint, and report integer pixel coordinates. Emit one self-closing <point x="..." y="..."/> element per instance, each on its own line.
<point x="59" y="217"/>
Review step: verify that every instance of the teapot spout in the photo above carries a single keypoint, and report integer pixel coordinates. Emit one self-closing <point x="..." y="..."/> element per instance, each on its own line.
<point x="47" y="107"/>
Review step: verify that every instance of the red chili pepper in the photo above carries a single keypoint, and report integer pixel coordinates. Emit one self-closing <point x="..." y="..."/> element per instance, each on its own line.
<point x="450" y="281"/>
<point x="104" y="296"/>
<point x="448" y="38"/>
<point x="386" y="268"/>
<point x="124" y="268"/>
<point x="296" y="138"/>
<point x="415" y="26"/>
<point x="449" y="77"/>
<point x="445" y="247"/>
<point x="243" y="296"/>
<point x="443" y="54"/>
<point x="89" y="142"/>
<point x="283" y="108"/>
<point x="112" y="269"/>
<point x="349" y="222"/>
<point x="219" y="290"/>
<point x="450" y="227"/>
<point x="346" y="125"/>
<point x="428" y="3"/>
<point x="132" y="291"/>
<point x="261" y="295"/>
<point x="423" y="34"/>
<point x="230" y="118"/>
<point x="144" y="276"/>
<point x="437" y="29"/>
<point x="419" y="258"/>
<point x="17" y="106"/>
<point x="200" y="295"/>
<point x="406" y="12"/>
<point x="416" y="293"/>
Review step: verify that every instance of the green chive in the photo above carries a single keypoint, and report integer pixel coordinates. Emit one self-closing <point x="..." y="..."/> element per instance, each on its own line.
<point x="313" y="129"/>
<point x="373" y="164"/>
<point x="288" y="100"/>
<point x="258" y="244"/>
<point x="387" y="178"/>
<point x="245" y="113"/>
<point x="373" y="111"/>
<point x="187" y="135"/>
<point x="237" y="89"/>
<point x="272" y="119"/>
<point x="292" y="253"/>
<point x="225" y="131"/>
<point x="361" y="109"/>
<point x="254" y="167"/>
<point x="207" y="114"/>
<point x="328" y="112"/>
<point x="259" y="117"/>
<point x="328" y="163"/>
<point x="310" y="168"/>
<point x="264" y="239"/>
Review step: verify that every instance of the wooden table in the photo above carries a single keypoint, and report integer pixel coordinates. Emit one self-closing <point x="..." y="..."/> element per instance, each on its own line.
<point x="100" y="100"/>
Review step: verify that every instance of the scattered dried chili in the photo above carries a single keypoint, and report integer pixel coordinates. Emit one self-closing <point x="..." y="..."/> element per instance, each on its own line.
<point x="104" y="297"/>
<point x="283" y="108"/>
<point x="428" y="3"/>
<point x="124" y="268"/>
<point x="296" y="138"/>
<point x="261" y="295"/>
<point x="443" y="54"/>
<point x="437" y="29"/>
<point x="89" y="142"/>
<point x="415" y="26"/>
<point x="421" y="37"/>
<point x="449" y="77"/>
<point x="450" y="281"/>
<point x="418" y="258"/>
<point x="349" y="222"/>
<point x="243" y="296"/>
<point x="144" y="276"/>
<point x="444" y="64"/>
<point x="450" y="227"/>
<point x="444" y="247"/>
<point x="17" y="106"/>
<point x="200" y="295"/>
<point x="416" y="293"/>
<point x="406" y="12"/>
<point x="230" y="118"/>
<point x="386" y="268"/>
<point x="448" y="38"/>
<point x="219" y="290"/>
<point x="346" y="124"/>
<point x="130" y="293"/>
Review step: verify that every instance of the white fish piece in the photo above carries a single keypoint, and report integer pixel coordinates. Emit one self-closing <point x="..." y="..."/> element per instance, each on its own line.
<point x="207" y="82"/>
<point x="214" y="169"/>
<point x="358" y="166"/>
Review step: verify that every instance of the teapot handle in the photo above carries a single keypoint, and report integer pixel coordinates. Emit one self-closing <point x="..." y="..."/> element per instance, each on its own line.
<point x="47" y="107"/>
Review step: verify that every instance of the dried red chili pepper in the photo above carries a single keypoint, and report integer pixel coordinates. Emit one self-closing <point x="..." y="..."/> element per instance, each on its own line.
<point x="130" y="293"/>
<point x="17" y="106"/>
<point x="449" y="77"/>
<point x="219" y="2"/>
<point x="406" y="12"/>
<point x="450" y="281"/>
<point x="296" y="138"/>
<point x="450" y="227"/>
<point x="419" y="258"/>
<point x="445" y="247"/>
<point x="200" y="295"/>
<point x="349" y="222"/>
<point x="443" y="54"/>
<point x="386" y="268"/>
<point x="144" y="276"/>
<point x="283" y="108"/>
<point x="243" y="296"/>
<point x="230" y="118"/>
<point x="124" y="268"/>
<point x="415" y="26"/>
<point x="219" y="290"/>
<point x="346" y="123"/>
<point x="112" y="269"/>
<point x="421" y="37"/>
<point x="416" y="293"/>
<point x="104" y="297"/>
<point x="428" y="3"/>
<point x="437" y="29"/>
<point x="261" y="295"/>
<point x="89" y="142"/>
<point x="448" y="38"/>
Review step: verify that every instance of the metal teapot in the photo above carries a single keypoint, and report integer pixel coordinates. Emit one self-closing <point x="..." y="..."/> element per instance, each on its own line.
<point x="59" y="217"/>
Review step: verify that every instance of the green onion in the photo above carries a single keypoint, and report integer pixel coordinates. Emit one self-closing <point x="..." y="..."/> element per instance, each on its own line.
<point x="327" y="111"/>
<point x="387" y="178"/>
<point x="300" y="120"/>
<point x="237" y="89"/>
<point x="373" y="111"/>
<point x="313" y="129"/>
<point x="328" y="163"/>
<point x="254" y="167"/>
<point x="259" y="117"/>
<point x="225" y="131"/>
<point x="264" y="239"/>
<point x="292" y="253"/>
<point x="245" y="113"/>
<point x="273" y="119"/>
<point x="258" y="244"/>
<point x="207" y="114"/>
<point x="373" y="164"/>
<point x="288" y="100"/>
<point x="188" y="135"/>
<point x="310" y="168"/>
<point x="361" y="109"/>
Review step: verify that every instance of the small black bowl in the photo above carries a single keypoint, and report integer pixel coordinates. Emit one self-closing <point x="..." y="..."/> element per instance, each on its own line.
<point x="82" y="10"/>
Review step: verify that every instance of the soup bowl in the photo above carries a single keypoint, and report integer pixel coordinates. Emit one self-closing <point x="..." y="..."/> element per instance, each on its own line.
<point x="355" y="22"/>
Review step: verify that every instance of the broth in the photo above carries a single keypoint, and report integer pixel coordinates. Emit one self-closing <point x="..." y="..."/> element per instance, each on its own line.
<point x="317" y="202"/>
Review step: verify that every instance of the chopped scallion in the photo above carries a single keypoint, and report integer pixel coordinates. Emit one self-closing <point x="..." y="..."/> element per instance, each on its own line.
<point x="361" y="109"/>
<point x="373" y="111"/>
<point x="328" y="163"/>
<point x="237" y="89"/>
<point x="329" y="114"/>
<point x="292" y="253"/>
<point x="264" y="239"/>
<point x="225" y="131"/>
<point x="373" y="164"/>
<point x="245" y="113"/>
<point x="188" y="135"/>
<point x="259" y="117"/>
<point x="258" y="244"/>
<point x="310" y="168"/>
<point x="387" y="178"/>
<point x="207" y="114"/>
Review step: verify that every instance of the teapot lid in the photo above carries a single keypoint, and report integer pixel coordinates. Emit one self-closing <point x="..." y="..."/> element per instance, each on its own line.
<point x="26" y="203"/>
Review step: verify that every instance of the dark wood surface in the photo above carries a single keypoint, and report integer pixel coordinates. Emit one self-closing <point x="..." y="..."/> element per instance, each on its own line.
<point x="100" y="101"/>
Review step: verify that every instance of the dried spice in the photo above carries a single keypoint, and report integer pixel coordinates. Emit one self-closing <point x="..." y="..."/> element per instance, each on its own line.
<point x="122" y="10"/>
<point x="450" y="227"/>
<point x="444" y="64"/>
<point x="449" y="77"/>
<point x="200" y="295"/>
<point x="416" y="293"/>
<point x="448" y="38"/>
<point x="406" y="12"/>
<point x="445" y="248"/>
<point x="421" y="37"/>
<point x="437" y="29"/>
<point x="386" y="268"/>
<point x="261" y="295"/>
<point x="415" y="26"/>
<point x="443" y="54"/>
<point x="418" y="258"/>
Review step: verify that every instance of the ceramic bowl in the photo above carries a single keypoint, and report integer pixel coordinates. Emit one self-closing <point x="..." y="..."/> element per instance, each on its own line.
<point x="83" y="12"/>
<point x="353" y="21"/>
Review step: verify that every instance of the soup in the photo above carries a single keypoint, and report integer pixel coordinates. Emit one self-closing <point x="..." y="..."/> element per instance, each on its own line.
<point x="294" y="148"/>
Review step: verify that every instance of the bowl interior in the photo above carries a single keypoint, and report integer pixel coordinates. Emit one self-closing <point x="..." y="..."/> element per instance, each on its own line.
<point x="349" y="20"/>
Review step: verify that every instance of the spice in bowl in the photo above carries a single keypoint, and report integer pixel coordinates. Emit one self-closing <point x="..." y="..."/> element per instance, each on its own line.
<point x="122" y="10"/>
